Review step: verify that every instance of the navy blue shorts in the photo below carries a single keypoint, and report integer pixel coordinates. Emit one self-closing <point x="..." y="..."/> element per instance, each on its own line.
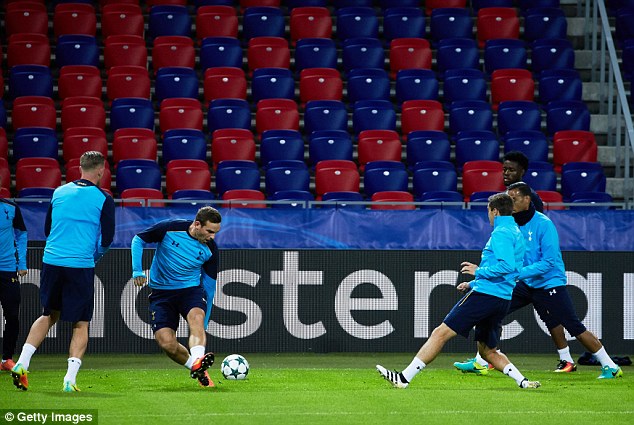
<point x="69" y="290"/>
<point x="554" y="306"/>
<point x="166" y="306"/>
<point x="10" y="294"/>
<point x="483" y="311"/>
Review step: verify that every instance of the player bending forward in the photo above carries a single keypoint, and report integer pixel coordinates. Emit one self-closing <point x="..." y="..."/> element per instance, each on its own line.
<point x="183" y="282"/>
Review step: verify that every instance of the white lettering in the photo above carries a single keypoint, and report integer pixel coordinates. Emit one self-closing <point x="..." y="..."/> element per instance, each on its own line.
<point x="628" y="306"/>
<point x="245" y="306"/>
<point x="423" y="287"/>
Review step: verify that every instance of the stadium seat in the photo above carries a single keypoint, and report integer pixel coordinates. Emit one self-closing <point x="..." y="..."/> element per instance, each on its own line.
<point x="224" y="83"/>
<point x="573" y="146"/>
<point x="524" y="5"/>
<point x="30" y="80"/>
<point x="141" y="197"/>
<point x="480" y="200"/>
<point x="444" y="199"/>
<point x="128" y="81"/>
<point x="5" y="178"/>
<point x="329" y="144"/>
<point x="496" y="22"/>
<point x="315" y="53"/>
<point x="325" y="115"/>
<point x="228" y="113"/>
<point x="76" y="49"/>
<point x="362" y="52"/>
<point x="470" y="115"/>
<point x="368" y="84"/>
<point x="503" y="53"/>
<point x="184" y="143"/>
<point x="175" y="82"/>
<point x="232" y="144"/>
<point x="427" y="145"/>
<point x="531" y="143"/>
<point x="83" y="111"/>
<point x="276" y="114"/>
<point x="385" y="178"/>
<point x="403" y="22"/>
<point x="131" y="113"/>
<point x="457" y="53"/>
<point x="133" y="143"/>
<point x="25" y="17"/>
<point x="172" y="51"/>
<point x="124" y="50"/>
<point x="416" y="84"/>
<point x="79" y="80"/>
<point x="450" y="22"/>
<point x="262" y="21"/>
<point x="581" y="177"/>
<point x="310" y="22"/>
<point x="73" y="172"/>
<point x="295" y="198"/>
<point x="237" y="177"/>
<point x="544" y="22"/>
<point x="34" y="142"/>
<point x="268" y="52"/>
<point x="272" y="83"/>
<point x="74" y="18"/>
<point x="180" y="112"/>
<point x="421" y="115"/>
<point x="560" y="84"/>
<point x="540" y="176"/>
<point x="476" y="5"/>
<point x="409" y="53"/>
<point x="378" y="145"/>
<point x="28" y="49"/>
<point x="243" y="198"/>
<point x="192" y="195"/>
<point x="281" y="145"/>
<point x="4" y="145"/>
<point x="433" y="176"/>
<point x="567" y="115"/>
<point x="518" y="115"/>
<point x="373" y="115"/>
<point x="78" y="140"/>
<point x="356" y="22"/>
<point x="480" y="176"/>
<point x="320" y="84"/>
<point x="220" y="52"/>
<point x="464" y="84"/>
<point x="593" y="200"/>
<point x="33" y="111"/>
<point x="286" y="175"/>
<point x="511" y="84"/>
<point x="216" y="21"/>
<point x="431" y="5"/>
<point x="186" y="177"/>
<point x="383" y="200"/>
<point x="37" y="172"/>
<point x="169" y="20"/>
<point x="121" y="19"/>
<point x="550" y="197"/>
<point x="342" y="199"/>
<point x="476" y="145"/>
<point x="132" y="173"/>
<point x="37" y="192"/>
<point x="336" y="176"/>
<point x="551" y="53"/>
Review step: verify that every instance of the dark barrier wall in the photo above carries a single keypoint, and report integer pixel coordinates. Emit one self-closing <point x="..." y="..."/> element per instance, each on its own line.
<point x="339" y="300"/>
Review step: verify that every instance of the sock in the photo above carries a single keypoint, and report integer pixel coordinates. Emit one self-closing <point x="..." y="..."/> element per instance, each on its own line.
<point x="604" y="359"/>
<point x="514" y="373"/>
<point x="480" y="360"/>
<point x="197" y="351"/>
<point x="25" y="356"/>
<point x="73" y="367"/>
<point x="190" y="361"/>
<point x="564" y="354"/>
<point x="414" y="367"/>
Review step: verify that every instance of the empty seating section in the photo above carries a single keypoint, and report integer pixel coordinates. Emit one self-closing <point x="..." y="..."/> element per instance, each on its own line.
<point x="259" y="91"/>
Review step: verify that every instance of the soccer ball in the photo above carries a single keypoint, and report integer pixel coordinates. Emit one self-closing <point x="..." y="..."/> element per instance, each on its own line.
<point x="234" y="367"/>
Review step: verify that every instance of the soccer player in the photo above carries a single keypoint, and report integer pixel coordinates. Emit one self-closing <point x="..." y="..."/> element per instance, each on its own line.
<point x="13" y="240"/>
<point x="486" y="303"/>
<point x="79" y="226"/>
<point x="183" y="282"/>
<point x="514" y="166"/>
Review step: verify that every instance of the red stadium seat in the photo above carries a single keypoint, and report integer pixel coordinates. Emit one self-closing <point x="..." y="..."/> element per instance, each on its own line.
<point x="409" y="53"/>
<point x="511" y="84"/>
<point x="237" y="195"/>
<point x="378" y="145"/>
<point x="74" y="18"/>
<point x="496" y="22"/>
<point x="79" y="80"/>
<point x="430" y="5"/>
<point x="421" y="115"/>
<point x="276" y="114"/>
<point x="78" y="140"/>
<point x="128" y="81"/>
<point x="173" y="50"/>
<point x="140" y="197"/>
<point x="268" y="52"/>
<point x="134" y="143"/>
<point x="550" y="197"/>
<point x="4" y="144"/>
<point x="28" y="49"/>
<point x="179" y="112"/>
<point x="125" y="50"/>
<point x="216" y="21"/>
<point x="121" y="19"/>
<point x="26" y="17"/>
<point x="83" y="111"/>
<point x="232" y="144"/>
<point x="186" y="177"/>
<point x="481" y="176"/>
<point x="224" y="83"/>
<point x="381" y="200"/>
<point x="573" y="146"/>
<point x="33" y="111"/>
<point x="37" y="172"/>
<point x="73" y="172"/>
<point x="310" y="22"/>
<point x="5" y="177"/>
<point x="336" y="176"/>
<point x="320" y="84"/>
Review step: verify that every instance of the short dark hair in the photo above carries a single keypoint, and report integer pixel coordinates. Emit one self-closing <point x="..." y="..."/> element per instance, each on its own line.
<point x="91" y="160"/>
<point x="208" y="214"/>
<point x="501" y="202"/>
<point x="523" y="188"/>
<point x="518" y="157"/>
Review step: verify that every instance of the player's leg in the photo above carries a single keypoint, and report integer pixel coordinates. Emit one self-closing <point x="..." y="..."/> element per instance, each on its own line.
<point x="546" y="309"/>
<point x="502" y="363"/>
<point x="76" y="350"/>
<point x="10" y="301"/>
<point x="193" y="307"/>
<point x="166" y="339"/>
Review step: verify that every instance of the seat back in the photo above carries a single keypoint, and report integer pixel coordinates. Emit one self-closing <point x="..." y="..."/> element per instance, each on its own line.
<point x="184" y="143"/>
<point x="121" y="19"/>
<point x="496" y="22"/>
<point x="128" y="81"/>
<point x="79" y="80"/>
<point x="83" y="111"/>
<point x="30" y="80"/>
<point x="362" y="52"/>
<point x="132" y="173"/>
<point x="228" y="113"/>
<point x="173" y="51"/>
<point x="376" y="145"/>
<point x="409" y="53"/>
<point x="268" y="52"/>
<point x="131" y="113"/>
<point x="177" y="112"/>
<point x="216" y="20"/>
<point x="276" y="114"/>
<point x="124" y="50"/>
<point x="457" y="53"/>
<point x="272" y="83"/>
<point x="78" y="140"/>
<point x="232" y="144"/>
<point x="432" y="176"/>
<point x="470" y="115"/>
<point x="220" y="52"/>
<point x="34" y="142"/>
<point x="476" y="145"/>
<point x="33" y="111"/>
<point x="39" y="172"/>
<point x="373" y="115"/>
<point x="427" y="145"/>
<point x="175" y="82"/>
<point x="310" y="22"/>
<point x="281" y="145"/>
<point x="357" y="22"/>
<point x="74" y="18"/>
<point x="325" y="115"/>
<point x="464" y="84"/>
<point x="224" y="83"/>
<point x="315" y="53"/>
<point x="581" y="177"/>
<point x="134" y="143"/>
<point x="288" y="175"/>
<point x="573" y="146"/>
<point x="479" y="176"/>
<point x="450" y="22"/>
<point x="329" y="144"/>
<point x="519" y="115"/>
<point x="511" y="84"/>
<point x="169" y="19"/>
<point x="504" y="54"/>
<point x="262" y="21"/>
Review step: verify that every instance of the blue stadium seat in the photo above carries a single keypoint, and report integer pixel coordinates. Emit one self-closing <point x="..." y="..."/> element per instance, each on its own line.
<point x="544" y="22"/>
<point x="175" y="82"/>
<point x="427" y="145"/>
<point x="479" y="4"/>
<point x="518" y="115"/>
<point x="292" y="4"/>
<point x="262" y="21"/>
<point x="329" y="144"/>
<point x="581" y="177"/>
<point x="132" y="173"/>
<point x="373" y="115"/>
<point x="403" y="22"/>
<point x="381" y="179"/>
<point x="193" y="195"/>
<point x="3" y="115"/>
<point x="238" y="176"/>
<point x="325" y="115"/>
<point x="560" y="84"/>
<point x="286" y="175"/>
<point x="628" y="58"/>
<point x="34" y="142"/>
<point x="342" y="200"/>
<point x="567" y="115"/>
<point x="540" y="176"/>
<point x="504" y="53"/>
<point x="76" y="49"/>
<point x="437" y="199"/>
<point x="432" y="176"/>
<point x="315" y="53"/>
<point x="414" y="84"/>
<point x="588" y="198"/>
<point x="30" y="80"/>
<point x="357" y="22"/>
<point x="464" y="84"/>
<point x="220" y="52"/>
<point x="450" y="22"/>
<point x="281" y="145"/>
<point x="131" y="113"/>
<point x="531" y="143"/>
<point x="368" y="84"/>
<point x="184" y="143"/>
<point x="272" y="83"/>
<point x="476" y="145"/>
<point x="168" y="19"/>
<point x="362" y="52"/>
<point x="524" y="5"/>
<point x="455" y="53"/>
<point x="296" y="198"/>
<point x="470" y="115"/>
<point x="552" y="53"/>
<point x="228" y="113"/>
<point x="36" y="192"/>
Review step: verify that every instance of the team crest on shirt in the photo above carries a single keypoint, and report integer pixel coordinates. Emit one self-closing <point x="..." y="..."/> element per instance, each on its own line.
<point x="530" y="236"/>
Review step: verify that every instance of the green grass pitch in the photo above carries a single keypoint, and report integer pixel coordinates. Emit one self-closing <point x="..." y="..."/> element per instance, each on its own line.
<point x="325" y="389"/>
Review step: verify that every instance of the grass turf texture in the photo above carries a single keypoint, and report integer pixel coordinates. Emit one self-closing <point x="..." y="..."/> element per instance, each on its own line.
<point x="324" y="389"/>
